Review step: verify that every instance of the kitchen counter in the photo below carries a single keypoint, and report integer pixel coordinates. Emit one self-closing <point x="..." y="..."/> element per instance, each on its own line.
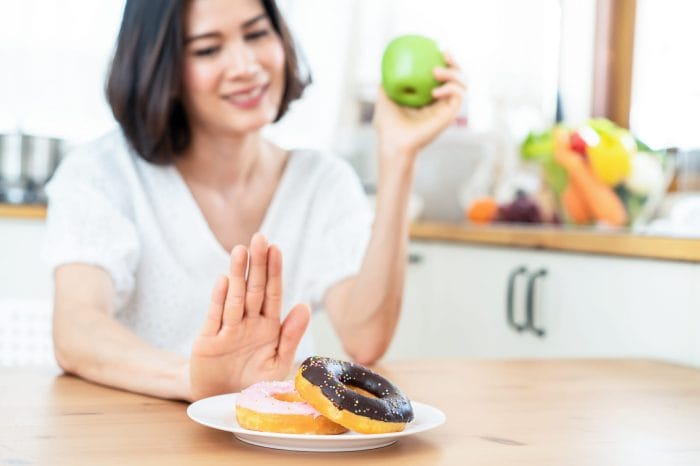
<point x="527" y="412"/>
<point x="22" y="211"/>
<point x="614" y="243"/>
<point x="538" y="237"/>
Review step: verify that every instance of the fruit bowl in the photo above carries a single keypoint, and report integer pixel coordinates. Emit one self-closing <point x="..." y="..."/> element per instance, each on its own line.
<point x="600" y="174"/>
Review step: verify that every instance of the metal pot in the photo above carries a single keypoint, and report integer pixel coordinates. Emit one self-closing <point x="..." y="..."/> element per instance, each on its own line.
<point x="26" y="164"/>
<point x="40" y="157"/>
<point x="13" y="186"/>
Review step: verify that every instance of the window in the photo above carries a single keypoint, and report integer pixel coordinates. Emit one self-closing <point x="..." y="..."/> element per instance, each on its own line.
<point x="665" y="109"/>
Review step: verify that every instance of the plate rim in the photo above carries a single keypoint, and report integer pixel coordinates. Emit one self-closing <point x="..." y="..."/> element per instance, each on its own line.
<point x="342" y="437"/>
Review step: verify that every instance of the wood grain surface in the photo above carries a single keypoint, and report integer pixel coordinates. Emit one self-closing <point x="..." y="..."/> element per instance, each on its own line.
<point x="526" y="412"/>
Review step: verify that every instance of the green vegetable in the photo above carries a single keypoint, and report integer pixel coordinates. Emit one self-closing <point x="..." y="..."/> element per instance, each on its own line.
<point x="555" y="176"/>
<point x="641" y="147"/>
<point x="604" y="126"/>
<point x="634" y="203"/>
<point x="538" y="146"/>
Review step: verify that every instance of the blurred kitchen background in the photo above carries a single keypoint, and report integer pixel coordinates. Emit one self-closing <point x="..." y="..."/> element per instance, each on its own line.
<point x="524" y="62"/>
<point x="528" y="64"/>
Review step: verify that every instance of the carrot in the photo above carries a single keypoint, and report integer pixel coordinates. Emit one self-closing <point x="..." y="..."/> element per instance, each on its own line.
<point x="574" y="206"/>
<point x="601" y="200"/>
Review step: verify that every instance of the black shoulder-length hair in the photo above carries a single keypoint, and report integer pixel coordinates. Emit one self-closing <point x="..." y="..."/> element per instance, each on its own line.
<point x="144" y="85"/>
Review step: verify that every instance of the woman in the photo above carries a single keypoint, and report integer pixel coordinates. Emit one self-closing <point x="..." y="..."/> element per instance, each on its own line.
<point x="140" y="223"/>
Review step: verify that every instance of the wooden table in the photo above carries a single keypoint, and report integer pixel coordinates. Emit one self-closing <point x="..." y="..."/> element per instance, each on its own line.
<point x="554" y="412"/>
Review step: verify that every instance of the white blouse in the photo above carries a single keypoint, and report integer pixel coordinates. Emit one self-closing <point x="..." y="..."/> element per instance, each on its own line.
<point x="140" y="223"/>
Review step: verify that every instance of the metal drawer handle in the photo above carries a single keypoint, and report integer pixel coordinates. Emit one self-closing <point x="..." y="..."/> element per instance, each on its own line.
<point x="415" y="258"/>
<point x="530" y="302"/>
<point x="510" y="313"/>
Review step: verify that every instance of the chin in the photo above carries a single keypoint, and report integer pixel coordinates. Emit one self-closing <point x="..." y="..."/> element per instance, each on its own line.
<point x="241" y="125"/>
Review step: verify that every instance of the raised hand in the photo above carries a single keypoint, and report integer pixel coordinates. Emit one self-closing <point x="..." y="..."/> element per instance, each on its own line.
<point x="242" y="340"/>
<point x="404" y="130"/>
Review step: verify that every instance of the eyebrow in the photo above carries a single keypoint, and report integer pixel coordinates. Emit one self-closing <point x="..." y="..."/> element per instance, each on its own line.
<point x="246" y="24"/>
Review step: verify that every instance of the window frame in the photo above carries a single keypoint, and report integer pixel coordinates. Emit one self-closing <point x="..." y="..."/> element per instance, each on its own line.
<point x="613" y="60"/>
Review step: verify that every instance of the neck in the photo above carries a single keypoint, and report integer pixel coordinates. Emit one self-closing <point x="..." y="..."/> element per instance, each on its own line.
<point x="221" y="161"/>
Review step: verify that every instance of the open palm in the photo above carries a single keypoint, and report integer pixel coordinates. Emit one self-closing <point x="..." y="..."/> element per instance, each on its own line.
<point x="242" y="340"/>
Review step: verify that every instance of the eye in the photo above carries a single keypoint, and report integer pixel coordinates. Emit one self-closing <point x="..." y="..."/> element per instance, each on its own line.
<point x="257" y="34"/>
<point x="204" y="52"/>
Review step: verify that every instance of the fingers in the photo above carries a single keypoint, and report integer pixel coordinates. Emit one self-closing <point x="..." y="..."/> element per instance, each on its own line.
<point x="235" y="296"/>
<point x="261" y="291"/>
<point x="293" y="329"/>
<point x="449" y="59"/>
<point x="212" y="323"/>
<point x="257" y="276"/>
<point x="450" y="75"/>
<point x="273" y="289"/>
<point x="453" y="87"/>
<point x="447" y="90"/>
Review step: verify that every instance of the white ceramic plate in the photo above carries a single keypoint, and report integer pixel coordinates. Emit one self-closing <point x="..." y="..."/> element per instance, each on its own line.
<point x="219" y="412"/>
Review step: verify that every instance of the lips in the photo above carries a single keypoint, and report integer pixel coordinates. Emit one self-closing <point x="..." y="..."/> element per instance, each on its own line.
<point x="248" y="98"/>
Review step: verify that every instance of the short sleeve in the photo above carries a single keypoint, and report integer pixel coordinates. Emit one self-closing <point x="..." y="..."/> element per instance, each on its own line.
<point x="345" y="232"/>
<point x="87" y="224"/>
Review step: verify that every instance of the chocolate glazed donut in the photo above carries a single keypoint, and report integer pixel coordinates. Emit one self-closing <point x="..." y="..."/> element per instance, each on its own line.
<point x="327" y="384"/>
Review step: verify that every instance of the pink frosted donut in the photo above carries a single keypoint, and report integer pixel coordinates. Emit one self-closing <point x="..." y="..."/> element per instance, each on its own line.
<point x="277" y="407"/>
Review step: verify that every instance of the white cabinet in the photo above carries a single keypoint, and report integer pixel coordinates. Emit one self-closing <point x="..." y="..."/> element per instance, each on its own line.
<point x="25" y="294"/>
<point x="587" y="305"/>
<point x="23" y="273"/>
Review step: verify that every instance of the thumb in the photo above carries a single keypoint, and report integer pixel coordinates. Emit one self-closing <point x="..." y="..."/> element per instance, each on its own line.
<point x="293" y="329"/>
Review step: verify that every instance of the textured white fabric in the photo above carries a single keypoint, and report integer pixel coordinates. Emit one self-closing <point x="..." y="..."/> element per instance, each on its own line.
<point x="139" y="222"/>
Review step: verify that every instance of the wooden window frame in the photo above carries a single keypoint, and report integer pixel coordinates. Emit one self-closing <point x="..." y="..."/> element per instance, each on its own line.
<point x="613" y="60"/>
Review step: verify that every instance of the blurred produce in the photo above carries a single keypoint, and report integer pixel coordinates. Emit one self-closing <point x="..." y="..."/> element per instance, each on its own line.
<point x="575" y="207"/>
<point x="483" y="210"/>
<point x="647" y="174"/>
<point x="578" y="144"/>
<point x="611" y="152"/>
<point x="596" y="197"/>
<point x="599" y="172"/>
<point x="522" y="210"/>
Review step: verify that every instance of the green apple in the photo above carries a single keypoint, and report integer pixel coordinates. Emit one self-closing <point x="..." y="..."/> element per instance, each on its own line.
<point x="407" y="70"/>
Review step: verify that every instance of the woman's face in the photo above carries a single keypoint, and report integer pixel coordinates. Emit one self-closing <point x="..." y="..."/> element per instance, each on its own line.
<point x="233" y="66"/>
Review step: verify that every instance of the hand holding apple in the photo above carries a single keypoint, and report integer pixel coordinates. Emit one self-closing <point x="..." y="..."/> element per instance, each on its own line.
<point x="407" y="70"/>
<point x="403" y="130"/>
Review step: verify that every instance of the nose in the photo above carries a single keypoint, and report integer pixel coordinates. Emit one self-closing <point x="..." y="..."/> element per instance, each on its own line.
<point x="242" y="62"/>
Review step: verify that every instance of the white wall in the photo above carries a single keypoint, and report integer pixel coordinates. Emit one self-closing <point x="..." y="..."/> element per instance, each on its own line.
<point x="54" y="55"/>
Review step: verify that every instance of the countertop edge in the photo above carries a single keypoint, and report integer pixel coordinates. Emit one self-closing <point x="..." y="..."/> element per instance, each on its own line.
<point x="14" y="211"/>
<point x="531" y="237"/>
<point x="565" y="240"/>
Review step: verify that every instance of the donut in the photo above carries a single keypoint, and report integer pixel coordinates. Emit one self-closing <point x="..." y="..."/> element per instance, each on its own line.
<point x="353" y="396"/>
<point x="277" y="407"/>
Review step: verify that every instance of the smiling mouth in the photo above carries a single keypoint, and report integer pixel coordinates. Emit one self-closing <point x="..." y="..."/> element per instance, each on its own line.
<point x="247" y="99"/>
